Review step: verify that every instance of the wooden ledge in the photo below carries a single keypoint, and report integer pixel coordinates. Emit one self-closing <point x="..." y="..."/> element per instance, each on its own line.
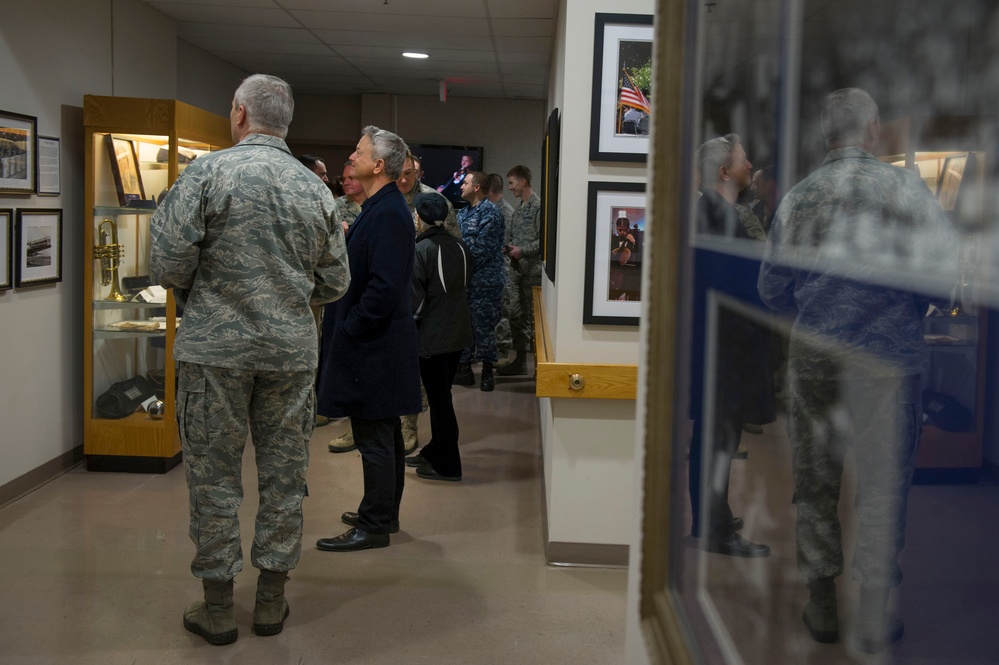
<point x="594" y="381"/>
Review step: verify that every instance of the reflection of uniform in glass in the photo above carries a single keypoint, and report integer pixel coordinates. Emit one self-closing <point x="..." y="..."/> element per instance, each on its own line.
<point x="855" y="360"/>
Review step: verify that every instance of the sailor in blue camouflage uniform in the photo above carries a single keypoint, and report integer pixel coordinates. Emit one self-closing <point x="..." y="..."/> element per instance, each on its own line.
<point x="247" y="239"/>
<point x="481" y="225"/>
<point x="856" y="253"/>
<point x="524" y="250"/>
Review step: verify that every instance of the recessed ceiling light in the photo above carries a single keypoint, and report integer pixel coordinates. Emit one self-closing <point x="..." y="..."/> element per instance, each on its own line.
<point x="414" y="54"/>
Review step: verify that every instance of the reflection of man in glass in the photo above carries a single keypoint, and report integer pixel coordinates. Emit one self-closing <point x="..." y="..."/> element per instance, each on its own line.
<point x="856" y="355"/>
<point x="742" y="381"/>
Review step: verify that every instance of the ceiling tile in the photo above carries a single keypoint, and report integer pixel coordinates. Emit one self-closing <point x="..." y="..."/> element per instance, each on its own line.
<point x="223" y="3"/>
<point x="430" y="25"/>
<point x="523" y="27"/>
<point x="250" y="46"/>
<point x="401" y="41"/>
<point x="225" y="15"/>
<point x="376" y="10"/>
<point x="542" y="44"/>
<point x="522" y="8"/>
<point x="538" y="59"/>
<point x="189" y="31"/>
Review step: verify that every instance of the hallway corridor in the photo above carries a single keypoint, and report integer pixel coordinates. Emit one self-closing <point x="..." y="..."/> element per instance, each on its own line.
<point x="94" y="567"/>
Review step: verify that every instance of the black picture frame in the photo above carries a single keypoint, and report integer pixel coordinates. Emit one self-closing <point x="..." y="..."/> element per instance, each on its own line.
<point x="18" y="153"/>
<point x="38" y="246"/>
<point x="125" y="170"/>
<point x="550" y="178"/>
<point x="612" y="290"/>
<point x="6" y="249"/>
<point x="48" y="171"/>
<point x="608" y="142"/>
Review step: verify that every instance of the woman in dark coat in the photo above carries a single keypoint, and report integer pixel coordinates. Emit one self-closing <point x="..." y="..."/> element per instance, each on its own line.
<point x="444" y="327"/>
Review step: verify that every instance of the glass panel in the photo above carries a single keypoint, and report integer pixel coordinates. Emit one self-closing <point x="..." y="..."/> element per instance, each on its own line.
<point x="838" y="277"/>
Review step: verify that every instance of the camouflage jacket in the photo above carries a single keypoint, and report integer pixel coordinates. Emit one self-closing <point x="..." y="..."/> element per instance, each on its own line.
<point x="525" y="232"/>
<point x="482" y="230"/>
<point x="247" y="239"/>
<point x="450" y="222"/>
<point x="346" y="210"/>
<point x="856" y="252"/>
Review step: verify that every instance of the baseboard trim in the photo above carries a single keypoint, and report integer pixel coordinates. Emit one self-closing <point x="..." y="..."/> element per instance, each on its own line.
<point x="587" y="554"/>
<point x="39" y="476"/>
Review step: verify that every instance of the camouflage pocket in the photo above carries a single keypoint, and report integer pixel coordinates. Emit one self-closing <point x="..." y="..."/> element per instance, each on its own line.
<point x="191" y="409"/>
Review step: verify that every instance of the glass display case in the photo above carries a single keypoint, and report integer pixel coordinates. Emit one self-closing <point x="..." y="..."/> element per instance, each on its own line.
<point x="135" y="149"/>
<point x="945" y="151"/>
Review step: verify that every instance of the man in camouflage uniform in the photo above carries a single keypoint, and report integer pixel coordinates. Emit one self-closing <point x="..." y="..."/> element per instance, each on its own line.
<point x="503" y="340"/>
<point x="348" y="206"/>
<point x="247" y="240"/>
<point x="847" y="247"/>
<point x="524" y="251"/>
<point x="481" y="225"/>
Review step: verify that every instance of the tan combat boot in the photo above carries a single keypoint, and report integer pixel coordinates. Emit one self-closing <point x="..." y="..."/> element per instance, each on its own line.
<point x="343" y="443"/>
<point x="271" y="608"/>
<point x="212" y="618"/>
<point x="409" y="432"/>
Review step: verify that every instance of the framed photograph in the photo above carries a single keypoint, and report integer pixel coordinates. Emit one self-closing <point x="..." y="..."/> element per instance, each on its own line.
<point x="622" y="88"/>
<point x="49" y="162"/>
<point x="6" y="262"/>
<point x="125" y="169"/>
<point x="615" y="243"/>
<point x="549" y="213"/>
<point x="38" y="241"/>
<point x="18" y="146"/>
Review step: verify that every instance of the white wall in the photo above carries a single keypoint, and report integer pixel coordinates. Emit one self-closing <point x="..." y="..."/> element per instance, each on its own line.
<point x="588" y="445"/>
<point x="53" y="53"/>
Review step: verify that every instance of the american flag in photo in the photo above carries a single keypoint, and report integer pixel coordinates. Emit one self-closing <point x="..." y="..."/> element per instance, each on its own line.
<point x="632" y="96"/>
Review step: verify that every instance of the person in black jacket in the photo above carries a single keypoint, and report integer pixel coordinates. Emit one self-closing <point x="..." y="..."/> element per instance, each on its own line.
<point x="444" y="327"/>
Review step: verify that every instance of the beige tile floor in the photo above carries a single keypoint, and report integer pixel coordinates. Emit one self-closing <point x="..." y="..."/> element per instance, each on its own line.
<point x="94" y="566"/>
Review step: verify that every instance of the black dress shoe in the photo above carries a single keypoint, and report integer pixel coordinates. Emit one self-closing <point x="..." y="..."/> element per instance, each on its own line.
<point x="350" y="519"/>
<point x="464" y="376"/>
<point x="414" y="460"/>
<point x="427" y="472"/>
<point x="488" y="383"/>
<point x="737" y="524"/>
<point x="736" y="545"/>
<point x="352" y="541"/>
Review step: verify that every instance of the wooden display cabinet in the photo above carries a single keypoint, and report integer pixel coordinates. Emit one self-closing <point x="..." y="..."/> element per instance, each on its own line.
<point x="134" y="150"/>
<point x="948" y="154"/>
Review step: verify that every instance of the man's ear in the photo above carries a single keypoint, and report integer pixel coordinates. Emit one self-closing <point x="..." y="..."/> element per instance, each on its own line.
<point x="379" y="166"/>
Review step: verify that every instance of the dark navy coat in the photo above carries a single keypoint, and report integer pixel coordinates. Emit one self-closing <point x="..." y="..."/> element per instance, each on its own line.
<point x="370" y="363"/>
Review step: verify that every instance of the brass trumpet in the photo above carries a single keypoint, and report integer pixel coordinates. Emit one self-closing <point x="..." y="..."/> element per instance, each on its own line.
<point x="110" y="254"/>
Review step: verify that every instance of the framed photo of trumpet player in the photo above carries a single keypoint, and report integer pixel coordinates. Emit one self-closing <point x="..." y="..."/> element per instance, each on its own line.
<point x="6" y="234"/>
<point x="125" y="169"/>
<point x="38" y="247"/>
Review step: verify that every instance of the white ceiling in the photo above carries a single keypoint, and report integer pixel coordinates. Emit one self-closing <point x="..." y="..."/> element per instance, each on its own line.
<point x="482" y="48"/>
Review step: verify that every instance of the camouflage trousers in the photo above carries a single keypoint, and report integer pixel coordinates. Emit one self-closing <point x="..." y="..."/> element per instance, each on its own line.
<point x="835" y="405"/>
<point x="485" y="305"/>
<point x="216" y="409"/>
<point x="515" y="330"/>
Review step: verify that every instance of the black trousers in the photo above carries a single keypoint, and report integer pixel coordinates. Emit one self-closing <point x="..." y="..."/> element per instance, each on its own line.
<point x="725" y="441"/>
<point x="384" y="465"/>
<point x="437" y="373"/>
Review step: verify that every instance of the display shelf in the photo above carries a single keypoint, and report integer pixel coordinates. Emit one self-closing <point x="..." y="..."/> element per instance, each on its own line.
<point x="116" y="246"/>
<point x="948" y="154"/>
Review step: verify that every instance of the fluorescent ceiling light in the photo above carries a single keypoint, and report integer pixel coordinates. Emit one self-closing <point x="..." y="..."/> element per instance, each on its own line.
<point x="414" y="54"/>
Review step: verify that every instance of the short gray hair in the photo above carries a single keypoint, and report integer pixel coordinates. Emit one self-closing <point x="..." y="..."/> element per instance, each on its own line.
<point x="388" y="147"/>
<point x="268" y="102"/>
<point x="846" y="113"/>
<point x="714" y="154"/>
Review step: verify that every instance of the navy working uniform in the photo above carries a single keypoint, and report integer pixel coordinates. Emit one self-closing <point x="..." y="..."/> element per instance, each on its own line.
<point x="482" y="230"/>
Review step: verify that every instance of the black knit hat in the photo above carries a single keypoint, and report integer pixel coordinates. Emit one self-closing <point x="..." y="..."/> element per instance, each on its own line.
<point x="431" y="207"/>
